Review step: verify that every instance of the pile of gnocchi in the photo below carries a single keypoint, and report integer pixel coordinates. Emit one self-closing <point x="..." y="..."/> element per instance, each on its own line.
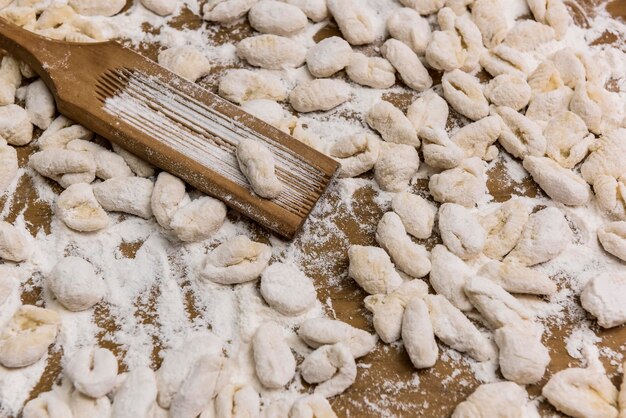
<point x="554" y="115"/>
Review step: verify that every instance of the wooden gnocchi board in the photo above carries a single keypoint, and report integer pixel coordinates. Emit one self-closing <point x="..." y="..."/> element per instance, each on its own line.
<point x="387" y="386"/>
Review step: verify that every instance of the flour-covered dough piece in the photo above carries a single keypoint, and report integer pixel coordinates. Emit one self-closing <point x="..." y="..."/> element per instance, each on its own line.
<point x="448" y="277"/>
<point x="603" y="298"/>
<point x="445" y="51"/>
<point x="316" y="10"/>
<point x="608" y="157"/>
<point x="408" y="65"/>
<point x="460" y="231"/>
<point x="468" y="33"/>
<point x="503" y="59"/>
<point x="97" y="8"/>
<point x="392" y="125"/>
<point x="508" y="90"/>
<point x="545" y="78"/>
<point x="497" y="306"/>
<point x="108" y="163"/>
<point x="226" y="11"/>
<point x="568" y="140"/>
<point x="416" y="213"/>
<point x="357" y="154"/>
<point x="140" y="167"/>
<point x="28" y="334"/>
<point x="240" y="85"/>
<point x="287" y="289"/>
<point x="271" y="52"/>
<point x="328" y="56"/>
<point x="516" y="278"/>
<point x="126" y="194"/>
<point x="582" y="393"/>
<point x="319" y="95"/>
<point x="316" y="332"/>
<point x="60" y="133"/>
<point x="168" y="195"/>
<point x="464" y="185"/>
<point x="67" y="167"/>
<point x="274" y="362"/>
<point x="256" y="162"/>
<point x="389" y="309"/>
<point x="504" y="227"/>
<point x="15" y="126"/>
<point x="520" y="135"/>
<point x="396" y="166"/>
<point x="559" y="183"/>
<point x="14" y="243"/>
<point x="198" y="220"/>
<point x="78" y="208"/>
<point x="544" y="237"/>
<point x="477" y="138"/>
<point x="568" y="62"/>
<point x="553" y="13"/>
<point x="612" y="236"/>
<point x="372" y="269"/>
<point x="10" y="79"/>
<point x="277" y="18"/>
<point x="74" y="283"/>
<point x="544" y="106"/>
<point x="237" y="400"/>
<point x="465" y="94"/>
<point x="47" y="404"/>
<point x="355" y="21"/>
<point x="86" y="407"/>
<point x="312" y="406"/>
<point x="611" y="195"/>
<point x="439" y="150"/>
<point x="502" y="399"/>
<point x="92" y="371"/>
<point x="528" y="34"/>
<point x="406" y="25"/>
<point x="523" y="358"/>
<point x="137" y="394"/>
<point x="428" y="112"/>
<point x="8" y="165"/>
<point x="237" y="260"/>
<point x="418" y="336"/>
<point x="493" y="25"/>
<point x="408" y="256"/>
<point x="587" y="102"/>
<point x="160" y="7"/>
<point x="372" y="72"/>
<point x="332" y="367"/>
<point x="40" y="104"/>
<point x="185" y="61"/>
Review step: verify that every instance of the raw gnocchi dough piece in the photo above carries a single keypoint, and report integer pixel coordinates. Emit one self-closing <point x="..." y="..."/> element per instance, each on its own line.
<point x="108" y="163"/>
<point x="92" y="371"/>
<point x="15" y="126"/>
<point x="493" y="25"/>
<point x="611" y="195"/>
<point x="356" y="153"/>
<point x="241" y="85"/>
<point x="312" y="406"/>
<point x="465" y="94"/>
<point x="545" y="78"/>
<point x="138" y="166"/>
<point x="408" y="65"/>
<point x="54" y="138"/>
<point x="508" y="90"/>
<point x="288" y="290"/>
<point x="372" y="72"/>
<point x="424" y="7"/>
<point x="418" y="336"/>
<point x="160" y="7"/>
<point x="559" y="183"/>
<point x="460" y="231"/>
<point x="568" y="63"/>
<point x="439" y="151"/>
<point x="429" y="111"/>
<point x="468" y="33"/>
<point x="445" y="51"/>
<point x="544" y="237"/>
<point x="586" y="102"/>
<point x="257" y="163"/>
<point x="553" y="13"/>
<point x="78" y="208"/>
<point x="502" y="399"/>
<point x="416" y="213"/>
<point x="523" y="358"/>
<point x="277" y="18"/>
<point x="67" y="167"/>
<point x="527" y="35"/>
<point x="396" y="166"/>
<point x="411" y="258"/>
<point x="126" y="194"/>
<point x="603" y="298"/>
<point x="406" y="25"/>
<point x="497" y="306"/>
<point x="612" y="236"/>
<point x="14" y="244"/>
<point x="168" y="196"/>
<point x="137" y="394"/>
<point x="28" y="334"/>
<point x="319" y="95"/>
<point x="8" y="285"/>
<point x="97" y="7"/>
<point x="567" y="139"/>
<point x="464" y="185"/>
<point x="270" y="112"/>
<point x="448" y="277"/>
<point x="10" y="80"/>
<point x="355" y="21"/>
<point x="237" y="401"/>
<point x="452" y="327"/>
<point x="226" y="11"/>
<point x="198" y="220"/>
<point x="372" y="269"/>
<point x="316" y="332"/>
<point x="20" y="16"/>
<point x="328" y="57"/>
<point x="54" y="16"/>
<point x="271" y="52"/>
<point x="47" y="404"/>
<point x="476" y="139"/>
<point x="544" y="106"/>
<point x="185" y="61"/>
<point x="520" y="135"/>
<point x="236" y="260"/>
<point x="332" y="367"/>
<point x="516" y="278"/>
<point x="582" y="393"/>
<point x="274" y="362"/>
<point x="74" y="283"/>
<point x="316" y="10"/>
<point x="389" y="309"/>
<point x="607" y="158"/>
<point x="392" y="125"/>
<point x="85" y="407"/>
<point x="503" y="59"/>
<point x="40" y="104"/>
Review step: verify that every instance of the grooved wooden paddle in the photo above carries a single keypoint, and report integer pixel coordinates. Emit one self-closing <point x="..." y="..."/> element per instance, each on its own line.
<point x="173" y="123"/>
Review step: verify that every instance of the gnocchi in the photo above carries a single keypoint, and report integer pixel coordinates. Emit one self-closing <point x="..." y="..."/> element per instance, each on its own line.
<point x="492" y="24"/>
<point x="74" y="283"/>
<point x="602" y="297"/>
<point x="559" y="183"/>
<point x="311" y="406"/>
<point x="328" y="57"/>
<point x="160" y="7"/>
<point x="503" y="59"/>
<point x="237" y="400"/>
<point x="277" y="18"/>
<point x="287" y="289"/>
<point x="448" y="277"/>
<point x="47" y="404"/>
<point x="372" y="269"/>
<point x="567" y="139"/>
<point x="527" y="35"/>
<point x="140" y="167"/>
<point x="520" y="135"/>
<point x="544" y="106"/>
<point x="137" y="394"/>
<point x="424" y="7"/>
<point x="516" y="278"/>
<point x="464" y="185"/>
<point x="395" y="167"/>
<point x="523" y="358"/>
<point x="319" y="95"/>
<point x="272" y="52"/>
<point x="372" y="72"/>
<point x="506" y="399"/>
<point x="406" y="25"/>
<point x="355" y="21"/>
<point x="78" y="208"/>
<point x="185" y="61"/>
<point x="416" y="213"/>
<point x="316" y="10"/>
<point x="257" y="163"/>
<point x="10" y="79"/>
<point x="612" y="236"/>
<point x="332" y="367"/>
<point x="108" y="163"/>
<point x="392" y="125"/>
<point x="508" y="90"/>
<point x="226" y="11"/>
<point x="465" y="94"/>
<point x="460" y="231"/>
<point x="357" y="154"/>
<point x="40" y="104"/>
<point x="445" y="51"/>
<point x="85" y="407"/>
<point x="198" y="220"/>
<point x="168" y="195"/>
<point x="611" y="195"/>
<point x="316" y="332"/>
<point x="93" y="371"/>
<point x="126" y="194"/>
<point x="607" y="157"/>
<point x="237" y="260"/>
<point x="408" y="65"/>
<point x="15" y="126"/>
<point x="418" y="335"/>
<point x="274" y="362"/>
<point x="67" y="167"/>
<point x="14" y="244"/>
<point x="241" y="85"/>
<point x="477" y="138"/>
<point x="553" y="13"/>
